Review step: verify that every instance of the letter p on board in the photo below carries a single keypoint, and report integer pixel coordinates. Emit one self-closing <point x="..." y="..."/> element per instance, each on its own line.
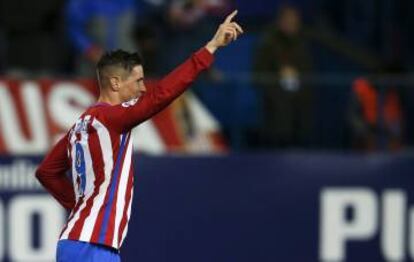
<point x="336" y="229"/>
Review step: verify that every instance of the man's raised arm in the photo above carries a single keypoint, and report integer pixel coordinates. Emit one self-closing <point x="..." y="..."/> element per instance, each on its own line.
<point x="128" y="115"/>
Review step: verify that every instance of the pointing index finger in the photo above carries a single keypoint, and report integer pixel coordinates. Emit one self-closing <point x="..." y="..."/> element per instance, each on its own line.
<point x="230" y="16"/>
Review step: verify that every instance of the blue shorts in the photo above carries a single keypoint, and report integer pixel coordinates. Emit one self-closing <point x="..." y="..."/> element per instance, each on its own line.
<point x="70" y="251"/>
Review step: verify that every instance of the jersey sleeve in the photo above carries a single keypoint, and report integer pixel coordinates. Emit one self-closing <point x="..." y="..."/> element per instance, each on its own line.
<point x="52" y="174"/>
<point x="127" y="115"/>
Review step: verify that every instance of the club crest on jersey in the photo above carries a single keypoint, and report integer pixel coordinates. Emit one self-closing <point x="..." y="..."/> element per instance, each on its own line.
<point x="130" y="102"/>
<point x="82" y="125"/>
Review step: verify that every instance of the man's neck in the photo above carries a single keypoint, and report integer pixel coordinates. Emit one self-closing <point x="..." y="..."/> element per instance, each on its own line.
<point x="108" y="100"/>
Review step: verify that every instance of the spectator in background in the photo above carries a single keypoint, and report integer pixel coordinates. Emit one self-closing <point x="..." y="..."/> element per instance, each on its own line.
<point x="280" y="61"/>
<point x="376" y="116"/>
<point x="188" y="21"/>
<point x="148" y="34"/>
<point x="98" y="25"/>
<point x="147" y="38"/>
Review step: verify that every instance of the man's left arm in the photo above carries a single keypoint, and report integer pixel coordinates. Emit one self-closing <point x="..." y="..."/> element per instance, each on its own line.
<point x="52" y="175"/>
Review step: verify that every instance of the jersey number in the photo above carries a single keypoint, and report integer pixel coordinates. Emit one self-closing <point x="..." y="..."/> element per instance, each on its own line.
<point x="80" y="169"/>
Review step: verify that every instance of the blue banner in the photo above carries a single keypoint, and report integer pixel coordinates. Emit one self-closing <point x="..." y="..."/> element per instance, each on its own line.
<point x="283" y="207"/>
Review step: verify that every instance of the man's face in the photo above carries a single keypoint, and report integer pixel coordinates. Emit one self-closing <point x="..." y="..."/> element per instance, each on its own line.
<point x="133" y="86"/>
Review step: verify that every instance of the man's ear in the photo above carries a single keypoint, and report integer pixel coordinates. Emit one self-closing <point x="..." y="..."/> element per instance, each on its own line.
<point x="115" y="83"/>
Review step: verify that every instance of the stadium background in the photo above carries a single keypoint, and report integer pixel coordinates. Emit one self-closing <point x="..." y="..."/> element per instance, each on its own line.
<point x="215" y="182"/>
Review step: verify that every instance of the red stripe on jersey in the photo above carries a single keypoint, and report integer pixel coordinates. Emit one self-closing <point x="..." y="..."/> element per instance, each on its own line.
<point x="2" y="146"/>
<point x="74" y="211"/>
<point x="78" y="137"/>
<point x="111" y="223"/>
<point x="128" y="199"/>
<point x="116" y="144"/>
<point x="98" y="170"/>
<point x="116" y="141"/>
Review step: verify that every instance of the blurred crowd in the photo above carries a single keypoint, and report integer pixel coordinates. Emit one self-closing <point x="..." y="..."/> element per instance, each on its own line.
<point x="307" y="74"/>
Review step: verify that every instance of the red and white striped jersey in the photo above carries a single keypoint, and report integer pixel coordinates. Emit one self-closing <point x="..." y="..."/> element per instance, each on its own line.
<point x="97" y="152"/>
<point x="103" y="181"/>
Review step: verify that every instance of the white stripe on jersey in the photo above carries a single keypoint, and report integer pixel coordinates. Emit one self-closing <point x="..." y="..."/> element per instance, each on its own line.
<point x="128" y="216"/>
<point x="106" y="149"/>
<point x="73" y="153"/>
<point x="122" y="187"/>
<point x="90" y="176"/>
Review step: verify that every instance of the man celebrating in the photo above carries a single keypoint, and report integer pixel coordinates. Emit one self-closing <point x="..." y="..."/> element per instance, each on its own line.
<point x="97" y="150"/>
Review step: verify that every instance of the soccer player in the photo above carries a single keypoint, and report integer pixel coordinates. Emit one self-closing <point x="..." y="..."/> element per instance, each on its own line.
<point x="97" y="150"/>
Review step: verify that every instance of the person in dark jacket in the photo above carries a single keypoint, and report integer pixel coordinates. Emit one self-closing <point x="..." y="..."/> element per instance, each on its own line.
<point x="95" y="26"/>
<point x="280" y="61"/>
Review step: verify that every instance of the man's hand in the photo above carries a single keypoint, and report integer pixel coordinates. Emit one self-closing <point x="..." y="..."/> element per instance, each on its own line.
<point x="226" y="33"/>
